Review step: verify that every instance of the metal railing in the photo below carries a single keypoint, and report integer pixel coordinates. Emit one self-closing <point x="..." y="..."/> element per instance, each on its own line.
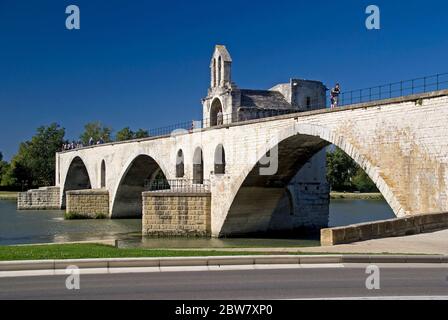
<point x="179" y="185"/>
<point x="394" y="90"/>
<point x="235" y="117"/>
<point x="387" y="91"/>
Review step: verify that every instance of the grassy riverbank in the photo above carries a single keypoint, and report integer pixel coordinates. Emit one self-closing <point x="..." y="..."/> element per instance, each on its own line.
<point x="356" y="196"/>
<point x="85" y="251"/>
<point x="8" y="195"/>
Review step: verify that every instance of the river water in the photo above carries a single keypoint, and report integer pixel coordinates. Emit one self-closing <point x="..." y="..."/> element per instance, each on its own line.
<point x="25" y="227"/>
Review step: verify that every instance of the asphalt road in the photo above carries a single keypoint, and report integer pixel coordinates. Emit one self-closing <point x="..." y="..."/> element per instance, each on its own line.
<point x="349" y="281"/>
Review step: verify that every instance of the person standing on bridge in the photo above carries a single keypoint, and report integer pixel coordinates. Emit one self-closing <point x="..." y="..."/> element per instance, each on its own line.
<point x="219" y="117"/>
<point x="334" y="95"/>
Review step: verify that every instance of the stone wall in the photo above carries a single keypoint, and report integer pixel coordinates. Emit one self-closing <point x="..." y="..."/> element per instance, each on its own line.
<point x="385" y="228"/>
<point x="88" y="203"/>
<point x="311" y="194"/>
<point x="176" y="214"/>
<point x="45" y="198"/>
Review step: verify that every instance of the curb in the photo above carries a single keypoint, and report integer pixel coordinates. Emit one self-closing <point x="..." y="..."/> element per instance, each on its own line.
<point x="217" y="261"/>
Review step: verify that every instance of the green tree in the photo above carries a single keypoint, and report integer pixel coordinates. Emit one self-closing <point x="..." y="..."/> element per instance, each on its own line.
<point x="363" y="183"/>
<point x="344" y="174"/>
<point x="4" y="167"/>
<point x="140" y="134"/>
<point x="125" y="134"/>
<point x="128" y="134"/>
<point x="34" y="163"/>
<point x="95" y="130"/>
<point x="7" y="179"/>
<point x="340" y="170"/>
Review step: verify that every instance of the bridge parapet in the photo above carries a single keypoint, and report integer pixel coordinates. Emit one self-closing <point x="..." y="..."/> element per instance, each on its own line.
<point x="186" y="128"/>
<point x="386" y="228"/>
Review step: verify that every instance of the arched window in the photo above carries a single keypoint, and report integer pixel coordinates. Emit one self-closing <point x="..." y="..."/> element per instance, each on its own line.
<point x="103" y="174"/>
<point x="220" y="160"/>
<point x="198" y="167"/>
<point x="216" y="113"/>
<point x="180" y="172"/>
<point x="214" y="73"/>
<point x="219" y="71"/>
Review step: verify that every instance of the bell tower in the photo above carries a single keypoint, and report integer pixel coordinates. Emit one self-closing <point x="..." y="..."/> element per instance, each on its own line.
<point x="220" y="68"/>
<point x="218" y="105"/>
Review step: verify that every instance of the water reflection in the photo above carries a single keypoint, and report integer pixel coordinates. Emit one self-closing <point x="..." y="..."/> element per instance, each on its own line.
<point x="149" y="242"/>
<point x="345" y="212"/>
<point x="25" y="227"/>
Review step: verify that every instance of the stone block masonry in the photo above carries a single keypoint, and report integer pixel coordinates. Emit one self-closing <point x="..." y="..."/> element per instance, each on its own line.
<point x="88" y="204"/>
<point x="383" y="229"/>
<point x="176" y="214"/>
<point x="45" y="198"/>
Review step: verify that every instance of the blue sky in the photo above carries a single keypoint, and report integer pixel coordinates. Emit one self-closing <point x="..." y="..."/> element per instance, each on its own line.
<point x="144" y="64"/>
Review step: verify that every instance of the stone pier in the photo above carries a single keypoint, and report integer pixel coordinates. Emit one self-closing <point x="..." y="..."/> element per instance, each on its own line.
<point x="45" y="198"/>
<point x="88" y="203"/>
<point x="176" y="214"/>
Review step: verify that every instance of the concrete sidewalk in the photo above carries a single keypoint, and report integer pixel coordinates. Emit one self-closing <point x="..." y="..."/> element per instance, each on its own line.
<point x="425" y="243"/>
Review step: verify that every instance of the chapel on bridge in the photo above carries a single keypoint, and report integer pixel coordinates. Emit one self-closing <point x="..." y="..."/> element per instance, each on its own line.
<point x="237" y="104"/>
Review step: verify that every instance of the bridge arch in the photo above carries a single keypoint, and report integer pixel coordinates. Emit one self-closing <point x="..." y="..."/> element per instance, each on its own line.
<point x="136" y="178"/>
<point x="293" y="146"/>
<point x="77" y="178"/>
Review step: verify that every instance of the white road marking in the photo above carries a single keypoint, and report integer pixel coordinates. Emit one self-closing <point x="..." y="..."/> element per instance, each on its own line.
<point x="32" y="273"/>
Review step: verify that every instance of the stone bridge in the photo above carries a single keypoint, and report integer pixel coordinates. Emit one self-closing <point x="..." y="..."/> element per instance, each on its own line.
<point x="401" y="143"/>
